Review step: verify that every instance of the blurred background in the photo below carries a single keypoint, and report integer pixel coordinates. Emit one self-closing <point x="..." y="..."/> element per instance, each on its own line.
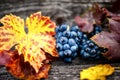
<point x="64" y="10"/>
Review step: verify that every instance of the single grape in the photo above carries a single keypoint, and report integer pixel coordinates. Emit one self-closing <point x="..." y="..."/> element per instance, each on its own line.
<point x="67" y="52"/>
<point x="79" y="34"/>
<point x="63" y="27"/>
<point x="73" y="34"/>
<point x="74" y="48"/>
<point x="66" y="33"/>
<point x="71" y="42"/>
<point x="58" y="35"/>
<point x="61" y="54"/>
<point x="63" y="40"/>
<point x="59" y="46"/>
<point x="66" y="46"/>
<point x="74" y="28"/>
<point x="91" y="44"/>
<point x="86" y="55"/>
<point x="57" y="29"/>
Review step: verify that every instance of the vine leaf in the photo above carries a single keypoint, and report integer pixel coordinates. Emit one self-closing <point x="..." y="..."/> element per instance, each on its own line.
<point x="109" y="38"/>
<point x="28" y="60"/>
<point x="85" y="23"/>
<point x="40" y="24"/>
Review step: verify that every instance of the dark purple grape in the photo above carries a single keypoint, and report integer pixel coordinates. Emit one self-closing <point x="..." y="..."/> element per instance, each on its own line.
<point x="63" y="40"/>
<point x="63" y="27"/>
<point x="74" y="28"/>
<point x="71" y="42"/>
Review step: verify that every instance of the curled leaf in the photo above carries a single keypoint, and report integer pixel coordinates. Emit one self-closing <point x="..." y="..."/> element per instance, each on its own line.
<point x="97" y="72"/>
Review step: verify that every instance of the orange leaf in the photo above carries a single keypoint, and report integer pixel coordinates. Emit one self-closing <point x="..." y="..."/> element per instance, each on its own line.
<point x="23" y="70"/>
<point x="34" y="47"/>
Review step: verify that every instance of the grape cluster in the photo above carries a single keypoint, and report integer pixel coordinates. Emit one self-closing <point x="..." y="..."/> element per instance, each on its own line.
<point x="90" y="50"/>
<point x="87" y="48"/>
<point x="66" y="42"/>
<point x="70" y="42"/>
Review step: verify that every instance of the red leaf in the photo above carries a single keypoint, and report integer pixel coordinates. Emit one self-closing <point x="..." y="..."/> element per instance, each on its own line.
<point x="6" y="56"/>
<point x="23" y="70"/>
<point x="110" y="40"/>
<point x="100" y="14"/>
<point x="85" y="24"/>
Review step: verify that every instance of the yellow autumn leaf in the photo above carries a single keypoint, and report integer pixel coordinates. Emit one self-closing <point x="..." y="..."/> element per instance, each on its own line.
<point x="14" y="24"/>
<point x="40" y="24"/>
<point x="32" y="46"/>
<point x="11" y="31"/>
<point x="98" y="72"/>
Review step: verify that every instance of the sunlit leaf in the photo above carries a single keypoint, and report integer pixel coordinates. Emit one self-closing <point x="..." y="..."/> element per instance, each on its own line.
<point x="15" y="24"/>
<point x="11" y="31"/>
<point x="33" y="49"/>
<point x="98" y="72"/>
<point x="40" y="24"/>
<point x="7" y="39"/>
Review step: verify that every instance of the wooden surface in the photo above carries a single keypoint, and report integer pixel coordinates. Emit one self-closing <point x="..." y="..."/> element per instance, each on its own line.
<point x="63" y="71"/>
<point x="56" y="8"/>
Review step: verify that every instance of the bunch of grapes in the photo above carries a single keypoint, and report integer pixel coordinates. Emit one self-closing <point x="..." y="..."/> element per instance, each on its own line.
<point x="66" y="42"/>
<point x="87" y="48"/>
<point x="90" y="50"/>
<point x="70" y="42"/>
